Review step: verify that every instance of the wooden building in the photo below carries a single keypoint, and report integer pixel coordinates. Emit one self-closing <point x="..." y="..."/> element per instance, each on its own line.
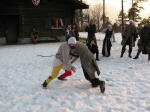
<point x="49" y="17"/>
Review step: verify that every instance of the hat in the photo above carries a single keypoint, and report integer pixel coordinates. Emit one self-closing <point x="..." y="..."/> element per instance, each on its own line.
<point x="131" y="21"/>
<point x="72" y="40"/>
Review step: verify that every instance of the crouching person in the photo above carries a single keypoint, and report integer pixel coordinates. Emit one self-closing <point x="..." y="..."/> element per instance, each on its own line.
<point x="62" y="60"/>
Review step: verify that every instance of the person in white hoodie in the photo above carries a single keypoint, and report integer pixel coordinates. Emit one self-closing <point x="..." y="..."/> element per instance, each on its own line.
<point x="62" y="61"/>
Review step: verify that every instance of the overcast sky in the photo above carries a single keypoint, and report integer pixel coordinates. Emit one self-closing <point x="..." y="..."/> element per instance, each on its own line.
<point x="113" y="7"/>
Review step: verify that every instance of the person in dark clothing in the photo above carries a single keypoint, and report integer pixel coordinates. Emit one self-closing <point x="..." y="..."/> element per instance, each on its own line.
<point x="144" y="42"/>
<point x="107" y="41"/>
<point x="91" y="29"/>
<point x="76" y="31"/>
<point x="129" y="37"/>
<point x="94" y="49"/>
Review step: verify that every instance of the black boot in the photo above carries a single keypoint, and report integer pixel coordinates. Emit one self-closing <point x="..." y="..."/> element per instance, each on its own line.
<point x="136" y="57"/>
<point x="95" y="82"/>
<point x="44" y="84"/>
<point x="148" y="57"/>
<point x="130" y="51"/>
<point x="122" y="52"/>
<point x="129" y="55"/>
<point x="102" y="86"/>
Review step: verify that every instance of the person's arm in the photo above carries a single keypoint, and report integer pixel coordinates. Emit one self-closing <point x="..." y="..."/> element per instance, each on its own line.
<point x="74" y="59"/>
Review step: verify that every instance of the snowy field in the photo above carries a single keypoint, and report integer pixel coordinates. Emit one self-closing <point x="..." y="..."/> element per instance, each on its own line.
<point x="22" y="72"/>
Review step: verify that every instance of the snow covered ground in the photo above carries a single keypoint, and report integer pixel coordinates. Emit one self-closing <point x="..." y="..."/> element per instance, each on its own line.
<point x="22" y="72"/>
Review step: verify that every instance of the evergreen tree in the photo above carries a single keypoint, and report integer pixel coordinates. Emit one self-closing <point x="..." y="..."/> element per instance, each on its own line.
<point x="143" y="22"/>
<point x="134" y="12"/>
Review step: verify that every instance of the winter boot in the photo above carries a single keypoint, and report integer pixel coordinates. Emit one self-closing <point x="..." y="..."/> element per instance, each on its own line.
<point x="102" y="86"/>
<point x="122" y="52"/>
<point x="136" y="57"/>
<point x="129" y="55"/>
<point x="95" y="82"/>
<point x="44" y="84"/>
<point x="130" y="51"/>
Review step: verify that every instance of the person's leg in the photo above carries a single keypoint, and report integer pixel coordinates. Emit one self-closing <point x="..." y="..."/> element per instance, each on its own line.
<point x="123" y="50"/>
<point x="130" y="51"/>
<point x="53" y="75"/>
<point x="96" y="82"/>
<point x="86" y="75"/>
<point x="97" y="53"/>
<point x="137" y="55"/>
<point x="64" y="75"/>
<point x="149" y="57"/>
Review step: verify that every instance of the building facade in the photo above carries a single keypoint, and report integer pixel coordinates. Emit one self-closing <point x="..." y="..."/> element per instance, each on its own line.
<point x="49" y="17"/>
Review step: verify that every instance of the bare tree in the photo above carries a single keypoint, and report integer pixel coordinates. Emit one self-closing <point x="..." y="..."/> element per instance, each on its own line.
<point x="96" y="13"/>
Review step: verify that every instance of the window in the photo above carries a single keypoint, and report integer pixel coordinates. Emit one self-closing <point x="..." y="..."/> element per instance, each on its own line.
<point x="57" y="23"/>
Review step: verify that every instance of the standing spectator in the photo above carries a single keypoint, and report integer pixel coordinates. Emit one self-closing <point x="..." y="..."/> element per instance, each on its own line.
<point x="144" y="41"/>
<point x="129" y="38"/>
<point x="107" y="42"/>
<point x="91" y="29"/>
<point x="94" y="49"/>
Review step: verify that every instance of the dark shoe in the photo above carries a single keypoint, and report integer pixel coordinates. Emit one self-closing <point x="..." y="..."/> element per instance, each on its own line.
<point x="135" y="57"/>
<point x="130" y="56"/>
<point x="121" y="55"/>
<point x="102" y="86"/>
<point x="97" y="59"/>
<point x="44" y="84"/>
<point x="62" y="79"/>
<point x="94" y="85"/>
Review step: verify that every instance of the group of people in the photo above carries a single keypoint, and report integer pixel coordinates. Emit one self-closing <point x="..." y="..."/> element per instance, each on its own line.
<point x="72" y="49"/>
<point x="130" y="35"/>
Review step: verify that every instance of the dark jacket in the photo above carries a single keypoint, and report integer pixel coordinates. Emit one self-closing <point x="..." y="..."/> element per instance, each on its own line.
<point x="144" y="41"/>
<point x="129" y="35"/>
<point x="91" y="29"/>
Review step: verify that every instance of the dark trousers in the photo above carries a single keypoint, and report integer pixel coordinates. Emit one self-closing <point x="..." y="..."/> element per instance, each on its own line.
<point x="95" y="82"/>
<point x="138" y="53"/>
<point x="124" y="49"/>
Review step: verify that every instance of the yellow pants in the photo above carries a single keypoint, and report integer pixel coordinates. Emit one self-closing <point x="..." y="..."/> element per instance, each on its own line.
<point x="55" y="72"/>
